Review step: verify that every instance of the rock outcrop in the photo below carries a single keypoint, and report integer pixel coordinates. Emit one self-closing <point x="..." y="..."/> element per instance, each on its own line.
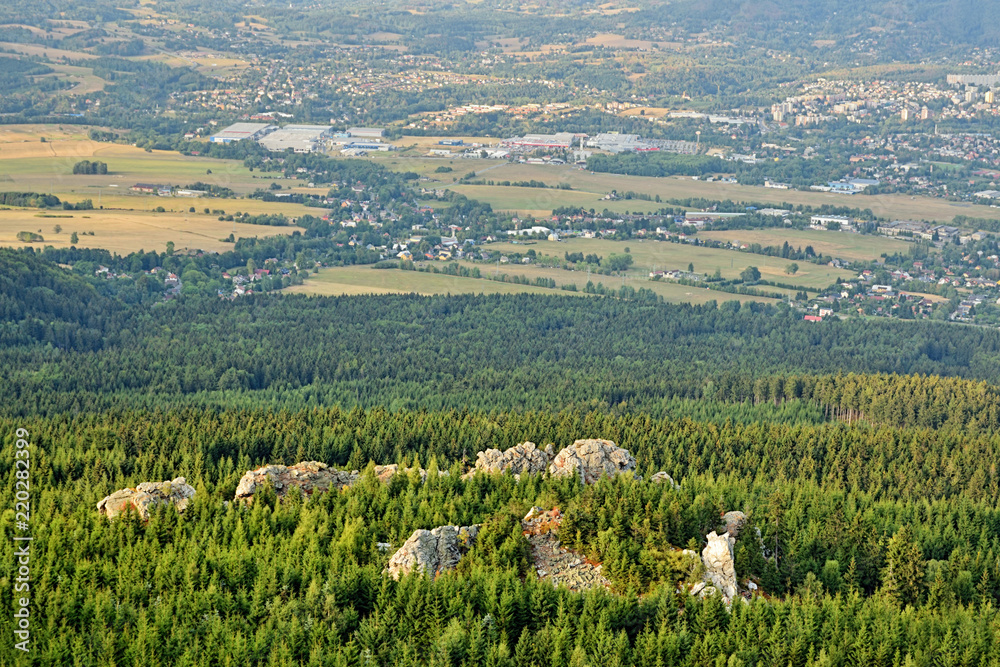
<point x="735" y="521"/>
<point x="663" y="478"/>
<point x="432" y="551"/>
<point x="146" y="496"/>
<point x="518" y="460"/>
<point x="312" y="476"/>
<point x="309" y="476"/>
<point x="552" y="561"/>
<point x="590" y="459"/>
<point x="720" y="569"/>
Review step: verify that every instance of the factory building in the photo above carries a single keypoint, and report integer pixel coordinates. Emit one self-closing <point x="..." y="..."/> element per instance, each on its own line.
<point x="241" y="131"/>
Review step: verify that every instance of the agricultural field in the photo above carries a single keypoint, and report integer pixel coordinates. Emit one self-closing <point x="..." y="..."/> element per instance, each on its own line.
<point x="843" y="245"/>
<point x="123" y="232"/>
<point x="540" y="202"/>
<point x="27" y="163"/>
<point x="651" y="255"/>
<point x="670" y="291"/>
<point x="351" y="280"/>
<point x="890" y="206"/>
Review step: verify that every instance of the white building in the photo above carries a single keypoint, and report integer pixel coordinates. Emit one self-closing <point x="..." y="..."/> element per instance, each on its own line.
<point x="241" y="131"/>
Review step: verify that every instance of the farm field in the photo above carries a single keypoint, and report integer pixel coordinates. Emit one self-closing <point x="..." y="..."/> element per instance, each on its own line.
<point x="890" y="206"/>
<point x="843" y="245"/>
<point x="351" y="280"/>
<point x="123" y="232"/>
<point x="661" y="255"/>
<point x="670" y="291"/>
<point x="30" y="164"/>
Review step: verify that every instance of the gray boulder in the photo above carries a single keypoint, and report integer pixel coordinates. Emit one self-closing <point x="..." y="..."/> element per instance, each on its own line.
<point x="432" y="551"/>
<point x="735" y="521"/>
<point x="145" y="497"/>
<point x="663" y="478"/>
<point x="590" y="459"/>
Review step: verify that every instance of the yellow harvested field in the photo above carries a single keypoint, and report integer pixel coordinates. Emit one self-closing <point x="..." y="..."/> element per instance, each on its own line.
<point x="124" y="232"/>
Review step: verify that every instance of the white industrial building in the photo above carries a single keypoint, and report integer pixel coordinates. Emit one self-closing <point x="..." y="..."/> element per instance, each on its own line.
<point x="557" y="140"/>
<point x="299" y="138"/>
<point x="241" y="131"/>
<point x="366" y="132"/>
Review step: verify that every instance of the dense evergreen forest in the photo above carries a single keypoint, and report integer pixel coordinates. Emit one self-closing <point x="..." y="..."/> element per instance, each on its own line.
<point x="863" y="453"/>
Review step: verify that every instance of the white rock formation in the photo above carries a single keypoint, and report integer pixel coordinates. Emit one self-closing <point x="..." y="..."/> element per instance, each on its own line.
<point x="720" y="568"/>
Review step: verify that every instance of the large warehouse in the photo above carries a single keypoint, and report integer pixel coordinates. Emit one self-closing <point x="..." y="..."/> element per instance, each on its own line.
<point x="557" y="140"/>
<point x="299" y="138"/>
<point x="241" y="131"/>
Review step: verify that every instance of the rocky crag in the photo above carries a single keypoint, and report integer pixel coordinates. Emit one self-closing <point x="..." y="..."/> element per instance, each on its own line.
<point x="590" y="459"/>
<point x="554" y="563"/>
<point x="310" y="477"/>
<point x="524" y="458"/>
<point x="432" y="551"/>
<point x="720" y="566"/>
<point x="145" y="497"/>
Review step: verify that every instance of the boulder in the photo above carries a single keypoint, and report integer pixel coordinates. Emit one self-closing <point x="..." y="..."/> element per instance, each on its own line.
<point x="663" y="478"/>
<point x="146" y="496"/>
<point x="518" y="460"/>
<point x="735" y="521"/>
<point x="310" y="476"/>
<point x="720" y="569"/>
<point x="432" y="551"/>
<point x="589" y="459"/>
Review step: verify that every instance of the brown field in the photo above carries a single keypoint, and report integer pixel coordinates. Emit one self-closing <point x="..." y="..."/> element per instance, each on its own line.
<point x="124" y="232"/>
<point x="890" y="206"/>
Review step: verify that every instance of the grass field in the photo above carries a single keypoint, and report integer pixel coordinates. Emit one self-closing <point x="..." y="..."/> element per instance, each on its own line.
<point x="670" y="291"/>
<point x="588" y="185"/>
<point x="28" y="163"/>
<point x="661" y="255"/>
<point x="351" y="280"/>
<point x="843" y="245"/>
<point x="124" y="232"/>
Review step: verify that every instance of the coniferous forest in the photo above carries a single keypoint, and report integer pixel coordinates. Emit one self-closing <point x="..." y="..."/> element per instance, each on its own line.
<point x="864" y="456"/>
